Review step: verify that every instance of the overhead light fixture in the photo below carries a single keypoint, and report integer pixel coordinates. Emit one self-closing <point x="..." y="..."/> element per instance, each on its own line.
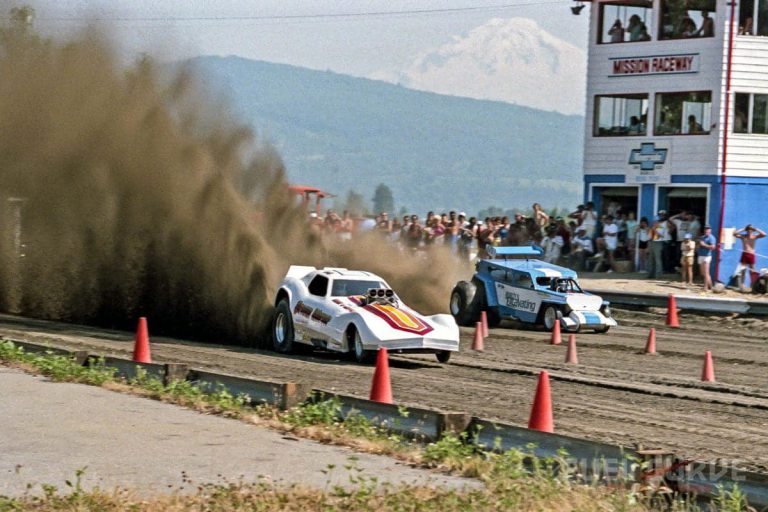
<point x="576" y="9"/>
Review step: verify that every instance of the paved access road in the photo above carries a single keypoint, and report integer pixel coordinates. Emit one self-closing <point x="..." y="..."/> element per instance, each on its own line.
<point x="50" y="430"/>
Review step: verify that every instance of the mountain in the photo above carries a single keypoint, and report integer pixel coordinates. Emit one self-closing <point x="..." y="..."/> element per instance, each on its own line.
<point x="512" y="60"/>
<point x="435" y="152"/>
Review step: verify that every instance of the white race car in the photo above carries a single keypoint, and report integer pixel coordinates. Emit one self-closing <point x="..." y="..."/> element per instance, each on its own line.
<point x="354" y="312"/>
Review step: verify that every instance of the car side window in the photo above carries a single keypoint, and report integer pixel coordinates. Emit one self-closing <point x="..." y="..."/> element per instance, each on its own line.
<point x="499" y="275"/>
<point x="319" y="286"/>
<point x="524" y="281"/>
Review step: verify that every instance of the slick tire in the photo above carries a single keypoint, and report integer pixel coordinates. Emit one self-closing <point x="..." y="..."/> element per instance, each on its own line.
<point x="282" y="329"/>
<point x="356" y="350"/>
<point x="465" y="303"/>
<point x="550" y="316"/>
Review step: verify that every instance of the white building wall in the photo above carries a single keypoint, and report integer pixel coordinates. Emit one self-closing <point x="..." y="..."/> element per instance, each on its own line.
<point x="687" y="154"/>
<point x="747" y="153"/>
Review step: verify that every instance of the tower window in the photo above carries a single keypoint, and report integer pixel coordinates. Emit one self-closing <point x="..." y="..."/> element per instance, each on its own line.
<point x="750" y="113"/>
<point x="625" y="22"/>
<point x="681" y="19"/>
<point x="683" y="113"/>
<point x="621" y="115"/>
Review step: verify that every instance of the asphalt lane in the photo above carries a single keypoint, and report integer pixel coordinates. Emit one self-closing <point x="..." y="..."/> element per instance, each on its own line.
<point x="50" y="430"/>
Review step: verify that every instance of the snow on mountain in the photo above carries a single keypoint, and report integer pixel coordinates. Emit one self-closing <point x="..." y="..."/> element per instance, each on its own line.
<point x="512" y="60"/>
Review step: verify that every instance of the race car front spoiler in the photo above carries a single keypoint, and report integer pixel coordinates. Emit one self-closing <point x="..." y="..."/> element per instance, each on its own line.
<point x="419" y="344"/>
<point x="587" y="320"/>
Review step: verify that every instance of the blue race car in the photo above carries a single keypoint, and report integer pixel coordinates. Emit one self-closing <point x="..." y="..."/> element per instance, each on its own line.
<point x="529" y="290"/>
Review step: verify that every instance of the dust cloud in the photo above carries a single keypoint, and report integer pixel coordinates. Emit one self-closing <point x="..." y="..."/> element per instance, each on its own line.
<point x="125" y="192"/>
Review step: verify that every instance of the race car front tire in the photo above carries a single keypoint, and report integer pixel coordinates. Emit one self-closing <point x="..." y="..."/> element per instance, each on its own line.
<point x="550" y="316"/>
<point x="464" y="305"/>
<point x="282" y="328"/>
<point x="443" y="356"/>
<point x="360" y="354"/>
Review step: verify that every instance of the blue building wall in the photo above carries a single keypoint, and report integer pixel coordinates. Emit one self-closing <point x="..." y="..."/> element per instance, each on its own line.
<point x="646" y="202"/>
<point x="746" y="202"/>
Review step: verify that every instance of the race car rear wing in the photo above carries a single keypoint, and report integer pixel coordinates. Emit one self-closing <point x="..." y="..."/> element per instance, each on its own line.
<point x="299" y="271"/>
<point x="513" y="251"/>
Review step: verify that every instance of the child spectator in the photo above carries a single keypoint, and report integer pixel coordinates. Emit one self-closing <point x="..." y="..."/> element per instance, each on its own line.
<point x="642" y="238"/>
<point x="687" y="250"/>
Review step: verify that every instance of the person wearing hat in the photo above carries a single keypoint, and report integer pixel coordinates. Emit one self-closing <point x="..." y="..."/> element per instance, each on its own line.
<point x="707" y="244"/>
<point x="581" y="249"/>
<point x="687" y="251"/>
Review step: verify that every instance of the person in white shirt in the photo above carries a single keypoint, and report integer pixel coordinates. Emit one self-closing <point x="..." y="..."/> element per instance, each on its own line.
<point x="581" y="249"/>
<point x="553" y="245"/>
<point x="589" y="219"/>
<point x="611" y="241"/>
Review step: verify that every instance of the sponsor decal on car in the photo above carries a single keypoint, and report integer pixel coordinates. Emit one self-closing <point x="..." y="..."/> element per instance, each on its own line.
<point x="302" y="309"/>
<point x="513" y="300"/>
<point x="321" y="316"/>
<point x="343" y="306"/>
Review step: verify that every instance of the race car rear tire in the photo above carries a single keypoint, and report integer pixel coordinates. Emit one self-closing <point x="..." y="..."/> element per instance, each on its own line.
<point x="550" y="315"/>
<point x="282" y="328"/>
<point x="465" y="303"/>
<point x="443" y="356"/>
<point x="360" y="355"/>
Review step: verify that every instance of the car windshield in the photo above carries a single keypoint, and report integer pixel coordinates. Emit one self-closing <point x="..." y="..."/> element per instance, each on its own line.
<point x="565" y="285"/>
<point x="348" y="287"/>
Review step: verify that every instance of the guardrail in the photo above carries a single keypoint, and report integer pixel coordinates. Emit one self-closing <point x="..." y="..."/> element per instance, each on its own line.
<point x="283" y="395"/>
<point x="591" y="458"/>
<point x="414" y="422"/>
<point x="691" y="303"/>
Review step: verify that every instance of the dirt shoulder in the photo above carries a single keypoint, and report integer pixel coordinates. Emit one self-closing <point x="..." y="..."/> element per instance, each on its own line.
<point x="638" y="282"/>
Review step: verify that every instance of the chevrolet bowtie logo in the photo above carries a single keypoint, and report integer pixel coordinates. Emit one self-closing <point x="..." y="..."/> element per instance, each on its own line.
<point x="648" y="156"/>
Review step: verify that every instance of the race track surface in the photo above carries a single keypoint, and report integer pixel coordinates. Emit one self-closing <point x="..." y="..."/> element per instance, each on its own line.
<point x="616" y="395"/>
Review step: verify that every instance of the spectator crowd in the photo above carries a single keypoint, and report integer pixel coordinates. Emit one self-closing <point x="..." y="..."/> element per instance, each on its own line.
<point x="582" y="239"/>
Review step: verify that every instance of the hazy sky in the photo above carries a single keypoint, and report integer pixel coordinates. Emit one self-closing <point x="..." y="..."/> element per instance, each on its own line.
<point x="299" y="32"/>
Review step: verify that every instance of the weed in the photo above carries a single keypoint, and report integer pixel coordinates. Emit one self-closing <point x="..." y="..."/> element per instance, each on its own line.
<point x="56" y="367"/>
<point x="315" y="412"/>
<point x="732" y="500"/>
<point x="449" y="450"/>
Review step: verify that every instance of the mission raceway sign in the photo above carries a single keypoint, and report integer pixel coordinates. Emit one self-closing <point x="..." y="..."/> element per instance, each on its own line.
<point x="655" y="65"/>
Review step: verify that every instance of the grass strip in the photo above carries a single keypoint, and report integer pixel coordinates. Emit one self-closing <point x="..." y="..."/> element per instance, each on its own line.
<point x="513" y="479"/>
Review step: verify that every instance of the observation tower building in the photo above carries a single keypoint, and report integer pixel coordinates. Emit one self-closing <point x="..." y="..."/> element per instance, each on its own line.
<point x="677" y="114"/>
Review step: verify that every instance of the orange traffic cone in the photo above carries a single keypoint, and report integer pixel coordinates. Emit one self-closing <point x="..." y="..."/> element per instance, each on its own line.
<point x="556" y="339"/>
<point x="650" y="347"/>
<point x="381" y="388"/>
<point x="672" y="320"/>
<point x="708" y="372"/>
<point x="477" y="342"/>
<point x="484" y="321"/>
<point x="541" y="412"/>
<point x="141" y="343"/>
<point x="571" y="357"/>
